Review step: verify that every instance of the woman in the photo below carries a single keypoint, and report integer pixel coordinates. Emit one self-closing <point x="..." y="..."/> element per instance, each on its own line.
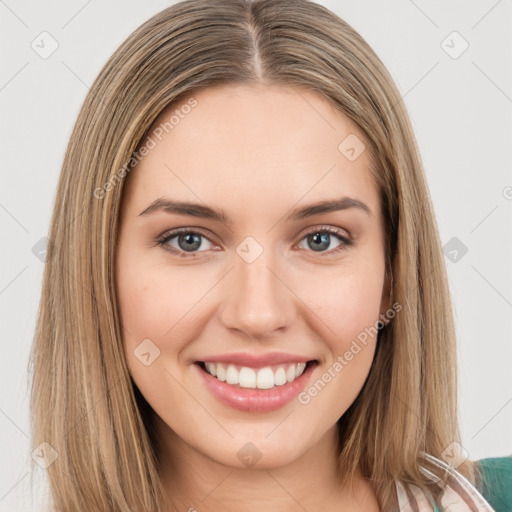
<point x="197" y="349"/>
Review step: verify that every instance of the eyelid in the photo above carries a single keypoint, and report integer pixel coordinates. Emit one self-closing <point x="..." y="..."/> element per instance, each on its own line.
<point x="188" y="229"/>
<point x="329" y="228"/>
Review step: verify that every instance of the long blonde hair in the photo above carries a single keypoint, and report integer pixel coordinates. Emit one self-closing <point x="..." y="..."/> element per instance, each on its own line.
<point x="83" y="401"/>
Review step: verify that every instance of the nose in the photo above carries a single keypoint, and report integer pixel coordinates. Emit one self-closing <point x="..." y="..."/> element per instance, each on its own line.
<point x="256" y="300"/>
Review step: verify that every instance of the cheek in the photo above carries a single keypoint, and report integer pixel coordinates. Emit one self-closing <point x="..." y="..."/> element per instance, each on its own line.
<point x="346" y="311"/>
<point x="156" y="313"/>
<point x="164" y="306"/>
<point x="142" y="306"/>
<point x="345" y="302"/>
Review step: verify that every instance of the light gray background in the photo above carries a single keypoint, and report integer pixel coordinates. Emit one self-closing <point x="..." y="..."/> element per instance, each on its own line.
<point x="461" y="111"/>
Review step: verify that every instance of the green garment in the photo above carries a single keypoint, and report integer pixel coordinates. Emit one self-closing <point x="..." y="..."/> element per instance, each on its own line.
<point x="497" y="482"/>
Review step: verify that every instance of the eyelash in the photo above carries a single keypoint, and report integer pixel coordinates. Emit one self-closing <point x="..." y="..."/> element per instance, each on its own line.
<point x="166" y="237"/>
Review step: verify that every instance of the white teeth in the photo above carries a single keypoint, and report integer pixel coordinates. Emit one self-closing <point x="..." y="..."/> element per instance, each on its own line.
<point x="300" y="369"/>
<point x="212" y="368"/>
<point x="290" y="373"/>
<point x="247" y="378"/>
<point x="221" y="373"/>
<point x="280" y="376"/>
<point x="231" y="375"/>
<point x="263" y="378"/>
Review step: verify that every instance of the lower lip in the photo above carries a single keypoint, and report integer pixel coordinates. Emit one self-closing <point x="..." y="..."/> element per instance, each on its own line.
<point x="256" y="400"/>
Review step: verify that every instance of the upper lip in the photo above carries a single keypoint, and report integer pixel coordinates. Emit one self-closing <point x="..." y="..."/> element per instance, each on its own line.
<point x="256" y="360"/>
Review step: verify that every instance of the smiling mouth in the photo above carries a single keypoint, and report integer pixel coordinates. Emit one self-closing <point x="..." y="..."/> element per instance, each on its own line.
<point x="267" y="377"/>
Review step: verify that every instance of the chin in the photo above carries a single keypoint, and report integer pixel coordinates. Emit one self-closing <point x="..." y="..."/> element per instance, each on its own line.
<point x="262" y="451"/>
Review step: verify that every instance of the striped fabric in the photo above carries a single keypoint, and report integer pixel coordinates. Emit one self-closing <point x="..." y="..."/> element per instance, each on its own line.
<point x="458" y="495"/>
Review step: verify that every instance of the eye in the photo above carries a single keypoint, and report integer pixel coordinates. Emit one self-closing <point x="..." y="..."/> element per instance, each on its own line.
<point x="321" y="238"/>
<point x="188" y="242"/>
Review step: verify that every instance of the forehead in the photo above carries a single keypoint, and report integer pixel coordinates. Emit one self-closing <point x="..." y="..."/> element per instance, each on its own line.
<point x="271" y="143"/>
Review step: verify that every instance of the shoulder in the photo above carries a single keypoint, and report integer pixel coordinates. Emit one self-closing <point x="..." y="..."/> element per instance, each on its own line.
<point x="495" y="484"/>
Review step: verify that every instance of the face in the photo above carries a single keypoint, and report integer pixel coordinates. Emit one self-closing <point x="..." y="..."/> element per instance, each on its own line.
<point x="250" y="285"/>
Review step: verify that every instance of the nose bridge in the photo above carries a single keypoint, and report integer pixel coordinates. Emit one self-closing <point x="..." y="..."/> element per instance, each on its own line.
<point x="256" y="301"/>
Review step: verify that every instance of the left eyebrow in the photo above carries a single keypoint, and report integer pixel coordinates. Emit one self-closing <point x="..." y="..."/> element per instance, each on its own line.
<point x="205" y="212"/>
<point x="326" y="207"/>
